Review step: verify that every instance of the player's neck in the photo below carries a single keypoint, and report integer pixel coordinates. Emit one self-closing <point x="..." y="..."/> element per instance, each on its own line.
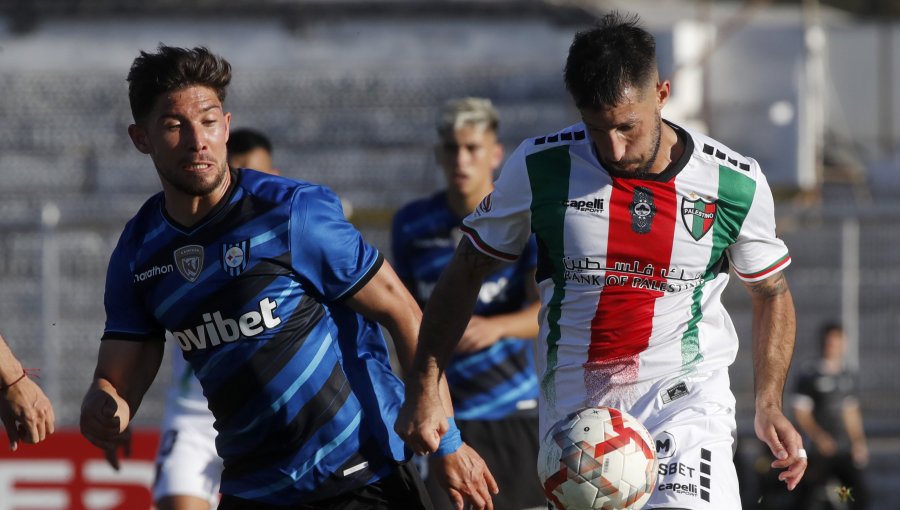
<point x="671" y="147"/>
<point x="188" y="209"/>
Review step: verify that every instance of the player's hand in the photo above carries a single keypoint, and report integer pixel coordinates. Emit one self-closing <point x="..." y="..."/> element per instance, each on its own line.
<point x="466" y="478"/>
<point x="825" y="444"/>
<point x="774" y="429"/>
<point x="26" y="413"/>
<point x="104" y="420"/>
<point x="481" y="333"/>
<point x="122" y="442"/>
<point x="421" y="421"/>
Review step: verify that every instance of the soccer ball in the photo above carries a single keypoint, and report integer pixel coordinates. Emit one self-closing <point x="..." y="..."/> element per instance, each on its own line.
<point x="598" y="458"/>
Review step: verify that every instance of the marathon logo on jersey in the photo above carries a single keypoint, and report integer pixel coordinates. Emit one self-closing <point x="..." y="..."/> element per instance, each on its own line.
<point x="153" y="272"/>
<point x="698" y="216"/>
<point x="591" y="205"/>
<point x="642" y="210"/>
<point x="189" y="261"/>
<point x="216" y="330"/>
<point x="235" y="257"/>
<point x="485" y="206"/>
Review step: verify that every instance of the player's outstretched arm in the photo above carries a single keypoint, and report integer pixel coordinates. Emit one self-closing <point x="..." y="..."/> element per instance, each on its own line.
<point x="385" y="299"/>
<point x="24" y="408"/>
<point x="125" y="370"/>
<point x="774" y="327"/>
<point x="446" y="317"/>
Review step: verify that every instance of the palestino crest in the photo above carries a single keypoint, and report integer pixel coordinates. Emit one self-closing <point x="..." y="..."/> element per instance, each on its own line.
<point x="235" y="257"/>
<point x="698" y="216"/>
<point x="189" y="261"/>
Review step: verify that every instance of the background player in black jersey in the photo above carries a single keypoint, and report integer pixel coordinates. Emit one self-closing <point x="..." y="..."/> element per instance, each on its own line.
<point x="24" y="409"/>
<point x="177" y="99"/>
<point x="827" y="410"/>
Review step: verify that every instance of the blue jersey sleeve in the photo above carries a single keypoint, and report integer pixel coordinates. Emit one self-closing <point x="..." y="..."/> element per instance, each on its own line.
<point x="529" y="255"/>
<point x="326" y="250"/>
<point x="126" y="316"/>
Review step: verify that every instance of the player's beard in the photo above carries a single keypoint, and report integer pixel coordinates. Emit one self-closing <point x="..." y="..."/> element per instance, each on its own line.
<point x="190" y="185"/>
<point x="644" y="171"/>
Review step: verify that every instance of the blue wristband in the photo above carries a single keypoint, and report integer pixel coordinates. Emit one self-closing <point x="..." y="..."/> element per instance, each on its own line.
<point x="451" y="441"/>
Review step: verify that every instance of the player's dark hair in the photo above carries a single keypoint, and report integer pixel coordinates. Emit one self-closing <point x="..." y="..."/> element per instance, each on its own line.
<point x="826" y="330"/>
<point x="241" y="141"/>
<point x="603" y="61"/>
<point x="171" y="69"/>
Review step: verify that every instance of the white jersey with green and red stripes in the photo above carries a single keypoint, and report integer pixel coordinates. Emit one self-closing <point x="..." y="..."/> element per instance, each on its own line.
<point x="630" y="270"/>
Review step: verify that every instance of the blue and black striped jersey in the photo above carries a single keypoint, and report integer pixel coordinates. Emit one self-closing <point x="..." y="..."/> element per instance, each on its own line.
<point x="498" y="381"/>
<point x="300" y="385"/>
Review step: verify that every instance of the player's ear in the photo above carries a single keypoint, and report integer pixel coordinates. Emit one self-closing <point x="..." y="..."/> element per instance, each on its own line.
<point x="663" y="91"/>
<point x="139" y="138"/>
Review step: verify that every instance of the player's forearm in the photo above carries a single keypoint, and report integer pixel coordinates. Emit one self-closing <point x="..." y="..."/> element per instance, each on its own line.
<point x="808" y="424"/>
<point x="129" y="368"/>
<point x="10" y="368"/>
<point x="854" y="424"/>
<point x="774" y="327"/>
<point x="446" y="316"/>
<point x="520" y="324"/>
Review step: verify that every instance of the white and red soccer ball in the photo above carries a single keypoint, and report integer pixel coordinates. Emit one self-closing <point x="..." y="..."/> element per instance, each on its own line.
<point x="598" y="458"/>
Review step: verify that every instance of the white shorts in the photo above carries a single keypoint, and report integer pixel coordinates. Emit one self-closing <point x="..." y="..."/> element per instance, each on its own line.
<point x="693" y="424"/>
<point x="187" y="463"/>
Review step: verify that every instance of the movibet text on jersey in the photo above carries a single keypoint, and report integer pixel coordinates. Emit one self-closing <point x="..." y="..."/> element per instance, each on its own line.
<point x="215" y="330"/>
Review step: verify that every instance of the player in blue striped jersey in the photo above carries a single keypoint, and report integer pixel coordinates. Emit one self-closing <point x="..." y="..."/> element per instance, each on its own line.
<point x="274" y="299"/>
<point x="492" y="378"/>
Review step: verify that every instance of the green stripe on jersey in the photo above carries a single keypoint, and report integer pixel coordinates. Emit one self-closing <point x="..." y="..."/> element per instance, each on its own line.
<point x="548" y="174"/>
<point x="735" y="195"/>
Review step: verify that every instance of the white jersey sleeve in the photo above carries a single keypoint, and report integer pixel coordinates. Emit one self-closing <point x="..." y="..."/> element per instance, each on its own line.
<point x="758" y="253"/>
<point x="501" y="224"/>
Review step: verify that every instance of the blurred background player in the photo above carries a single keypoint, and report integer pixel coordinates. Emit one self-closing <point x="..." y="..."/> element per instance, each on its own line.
<point x="188" y="469"/>
<point x="828" y="412"/>
<point x="25" y="410"/>
<point x="249" y="148"/>
<point x="492" y="377"/>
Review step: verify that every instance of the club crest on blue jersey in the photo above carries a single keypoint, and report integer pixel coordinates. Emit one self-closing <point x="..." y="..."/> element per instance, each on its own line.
<point x="189" y="261"/>
<point x="235" y="257"/>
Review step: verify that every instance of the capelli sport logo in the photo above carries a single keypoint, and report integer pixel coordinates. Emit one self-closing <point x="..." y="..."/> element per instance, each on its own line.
<point x="592" y="205"/>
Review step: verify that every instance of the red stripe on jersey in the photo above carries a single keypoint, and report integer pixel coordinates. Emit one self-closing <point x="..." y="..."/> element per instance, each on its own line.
<point x="484" y="247"/>
<point x="624" y="319"/>
<point x="761" y="275"/>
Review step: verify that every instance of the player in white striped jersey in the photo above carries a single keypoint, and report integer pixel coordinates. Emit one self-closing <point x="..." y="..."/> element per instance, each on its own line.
<point x="638" y="222"/>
